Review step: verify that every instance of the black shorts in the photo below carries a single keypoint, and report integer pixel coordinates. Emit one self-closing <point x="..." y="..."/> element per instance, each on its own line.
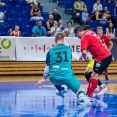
<point x="100" y="67"/>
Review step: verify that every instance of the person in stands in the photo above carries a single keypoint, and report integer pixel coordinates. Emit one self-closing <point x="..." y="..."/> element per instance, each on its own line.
<point x="16" y="32"/>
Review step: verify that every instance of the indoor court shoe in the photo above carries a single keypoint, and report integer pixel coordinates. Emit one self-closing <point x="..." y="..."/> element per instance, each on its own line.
<point x="65" y="89"/>
<point x="81" y="95"/>
<point x="102" y="91"/>
<point x="60" y="93"/>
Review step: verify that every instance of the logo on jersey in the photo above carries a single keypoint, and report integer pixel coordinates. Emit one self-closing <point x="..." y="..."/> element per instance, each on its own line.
<point x="55" y="66"/>
<point x="64" y="68"/>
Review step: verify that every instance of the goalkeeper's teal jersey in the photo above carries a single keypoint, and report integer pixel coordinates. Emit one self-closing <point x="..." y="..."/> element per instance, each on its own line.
<point x="59" y="61"/>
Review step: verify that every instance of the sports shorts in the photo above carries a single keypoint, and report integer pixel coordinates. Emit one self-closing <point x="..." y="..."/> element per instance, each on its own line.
<point x="100" y="67"/>
<point x="91" y="63"/>
<point x="71" y="82"/>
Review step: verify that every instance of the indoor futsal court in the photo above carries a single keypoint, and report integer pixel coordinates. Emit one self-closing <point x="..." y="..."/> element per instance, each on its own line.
<point x="20" y="98"/>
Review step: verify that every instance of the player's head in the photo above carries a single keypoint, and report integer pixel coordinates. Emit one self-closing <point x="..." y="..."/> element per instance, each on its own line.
<point x="79" y="31"/>
<point x="87" y="27"/>
<point x="59" y="38"/>
<point x="100" y="30"/>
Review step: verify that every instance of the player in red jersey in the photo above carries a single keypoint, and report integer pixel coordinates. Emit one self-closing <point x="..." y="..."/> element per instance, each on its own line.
<point x="92" y="42"/>
<point x="108" y="42"/>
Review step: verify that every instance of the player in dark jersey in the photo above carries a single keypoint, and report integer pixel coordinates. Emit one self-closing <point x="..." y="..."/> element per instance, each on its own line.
<point x="91" y="41"/>
<point x="59" y="69"/>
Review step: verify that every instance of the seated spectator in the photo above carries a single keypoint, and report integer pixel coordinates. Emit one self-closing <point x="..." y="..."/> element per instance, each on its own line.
<point x="115" y="9"/>
<point x="78" y="9"/>
<point x="66" y="33"/>
<point x="70" y="28"/>
<point x="105" y="16"/>
<point x="16" y="32"/>
<point x="35" y="13"/>
<point x="111" y="19"/>
<point x="97" y="6"/>
<point x="99" y="16"/>
<point x="49" y="23"/>
<point x="60" y="23"/>
<point x="31" y="2"/>
<point x="55" y="29"/>
<point x="110" y="31"/>
<point x="56" y="15"/>
<point x="85" y="16"/>
<point x="2" y="17"/>
<point x="39" y="30"/>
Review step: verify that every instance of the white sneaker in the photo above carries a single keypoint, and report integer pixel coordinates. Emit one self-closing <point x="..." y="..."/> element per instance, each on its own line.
<point x="65" y="89"/>
<point x="60" y="93"/>
<point x="84" y="98"/>
<point x="102" y="91"/>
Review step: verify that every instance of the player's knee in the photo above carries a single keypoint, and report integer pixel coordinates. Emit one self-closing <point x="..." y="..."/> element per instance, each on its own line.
<point x="95" y="75"/>
<point x="86" y="73"/>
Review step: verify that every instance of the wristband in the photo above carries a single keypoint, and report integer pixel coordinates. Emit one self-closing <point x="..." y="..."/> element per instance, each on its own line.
<point x="43" y="80"/>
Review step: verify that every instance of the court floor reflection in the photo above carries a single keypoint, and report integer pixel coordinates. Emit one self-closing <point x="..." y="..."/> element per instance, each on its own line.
<point x="24" y="100"/>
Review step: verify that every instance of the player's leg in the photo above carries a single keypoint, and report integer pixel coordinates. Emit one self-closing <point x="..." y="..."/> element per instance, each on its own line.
<point x="88" y="73"/>
<point x="98" y="69"/>
<point x="106" y="75"/>
<point x="74" y="84"/>
<point x="61" y="90"/>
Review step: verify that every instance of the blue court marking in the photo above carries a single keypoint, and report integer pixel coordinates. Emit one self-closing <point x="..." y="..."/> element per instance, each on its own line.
<point x="24" y="100"/>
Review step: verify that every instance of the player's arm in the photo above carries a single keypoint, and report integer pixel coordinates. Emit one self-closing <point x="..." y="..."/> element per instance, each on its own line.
<point x="84" y="54"/>
<point x="84" y="46"/>
<point x="110" y="46"/>
<point x="110" y="43"/>
<point x="45" y="75"/>
<point x="46" y="72"/>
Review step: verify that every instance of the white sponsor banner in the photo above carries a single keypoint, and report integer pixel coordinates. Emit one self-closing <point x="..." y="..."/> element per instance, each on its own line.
<point x="7" y="48"/>
<point x="35" y="49"/>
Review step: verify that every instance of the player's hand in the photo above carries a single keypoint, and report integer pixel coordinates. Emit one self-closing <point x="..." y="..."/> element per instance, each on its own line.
<point x="87" y="58"/>
<point x="80" y="58"/>
<point x="39" y="84"/>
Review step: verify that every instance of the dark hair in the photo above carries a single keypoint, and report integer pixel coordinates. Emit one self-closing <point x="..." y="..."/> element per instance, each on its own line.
<point x="86" y="27"/>
<point x="59" y="36"/>
<point x="69" y="22"/>
<point x="39" y="21"/>
<point x="78" y="28"/>
<point x="111" y="30"/>
<point x="102" y="11"/>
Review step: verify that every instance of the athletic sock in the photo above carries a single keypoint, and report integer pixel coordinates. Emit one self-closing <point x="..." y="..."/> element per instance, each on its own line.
<point x="88" y="76"/>
<point x="106" y="74"/>
<point x="92" y="86"/>
<point x="99" y="83"/>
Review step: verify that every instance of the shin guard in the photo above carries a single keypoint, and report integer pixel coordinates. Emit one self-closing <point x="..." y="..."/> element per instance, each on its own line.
<point x="91" y="87"/>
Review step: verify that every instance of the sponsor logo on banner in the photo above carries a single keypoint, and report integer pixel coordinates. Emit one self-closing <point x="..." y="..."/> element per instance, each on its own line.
<point x="7" y="48"/>
<point x="35" y="49"/>
<point x="45" y="48"/>
<point x="4" y="45"/>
